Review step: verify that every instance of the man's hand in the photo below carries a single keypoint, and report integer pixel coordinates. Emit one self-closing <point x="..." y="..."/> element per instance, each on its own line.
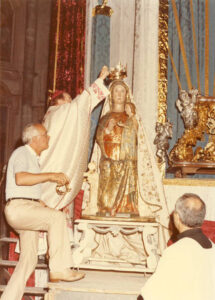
<point x="59" y="178"/>
<point x="104" y="72"/>
<point x="42" y="203"/>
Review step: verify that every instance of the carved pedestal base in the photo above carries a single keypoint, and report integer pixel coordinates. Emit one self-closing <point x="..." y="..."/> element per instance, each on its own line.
<point x="115" y="245"/>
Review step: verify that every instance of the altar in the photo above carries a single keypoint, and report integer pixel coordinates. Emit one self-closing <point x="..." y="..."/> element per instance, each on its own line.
<point x="119" y="245"/>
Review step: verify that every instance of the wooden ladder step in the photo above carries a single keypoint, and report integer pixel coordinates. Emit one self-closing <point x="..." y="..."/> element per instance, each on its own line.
<point x="9" y="263"/>
<point x="29" y="290"/>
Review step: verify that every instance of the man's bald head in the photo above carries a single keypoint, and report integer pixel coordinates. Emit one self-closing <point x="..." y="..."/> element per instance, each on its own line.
<point x="191" y="210"/>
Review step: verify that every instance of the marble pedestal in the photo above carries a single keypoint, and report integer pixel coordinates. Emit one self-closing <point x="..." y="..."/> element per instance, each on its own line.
<point x="115" y="245"/>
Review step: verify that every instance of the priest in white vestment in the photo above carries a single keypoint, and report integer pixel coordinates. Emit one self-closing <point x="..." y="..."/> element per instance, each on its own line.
<point x="68" y="126"/>
<point x="186" y="270"/>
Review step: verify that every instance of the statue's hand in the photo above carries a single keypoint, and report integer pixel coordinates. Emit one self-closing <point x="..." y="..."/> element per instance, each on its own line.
<point x="104" y="72"/>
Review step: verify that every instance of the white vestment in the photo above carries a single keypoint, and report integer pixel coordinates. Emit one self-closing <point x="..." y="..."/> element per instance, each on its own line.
<point x="68" y="126"/>
<point x="186" y="271"/>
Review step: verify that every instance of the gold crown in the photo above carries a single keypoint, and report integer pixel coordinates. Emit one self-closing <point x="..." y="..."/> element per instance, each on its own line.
<point x="119" y="72"/>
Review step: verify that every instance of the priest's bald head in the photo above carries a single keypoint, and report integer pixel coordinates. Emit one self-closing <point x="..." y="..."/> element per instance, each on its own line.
<point x="189" y="212"/>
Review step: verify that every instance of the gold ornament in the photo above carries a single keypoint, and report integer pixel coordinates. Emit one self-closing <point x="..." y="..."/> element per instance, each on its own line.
<point x="119" y="72"/>
<point x="102" y="10"/>
<point x="63" y="189"/>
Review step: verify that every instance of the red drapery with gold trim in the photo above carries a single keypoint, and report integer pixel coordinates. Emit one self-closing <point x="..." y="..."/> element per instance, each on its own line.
<point x="67" y="46"/>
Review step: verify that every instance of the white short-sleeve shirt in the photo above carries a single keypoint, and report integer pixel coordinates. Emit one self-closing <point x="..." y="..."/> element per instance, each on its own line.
<point x="23" y="159"/>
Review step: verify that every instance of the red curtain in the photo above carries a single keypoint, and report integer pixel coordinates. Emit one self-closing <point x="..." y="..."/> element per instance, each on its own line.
<point x="208" y="228"/>
<point x="71" y="46"/>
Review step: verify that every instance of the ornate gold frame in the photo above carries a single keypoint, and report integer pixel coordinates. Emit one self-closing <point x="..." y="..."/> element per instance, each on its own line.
<point x="163" y="61"/>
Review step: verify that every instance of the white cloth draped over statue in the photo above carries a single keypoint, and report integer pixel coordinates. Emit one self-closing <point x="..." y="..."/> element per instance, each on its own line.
<point x="68" y="126"/>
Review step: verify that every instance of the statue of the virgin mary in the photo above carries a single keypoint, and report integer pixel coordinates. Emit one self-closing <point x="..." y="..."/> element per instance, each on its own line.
<point x="129" y="179"/>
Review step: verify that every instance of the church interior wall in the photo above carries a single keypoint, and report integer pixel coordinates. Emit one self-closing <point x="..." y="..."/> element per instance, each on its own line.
<point x="13" y="70"/>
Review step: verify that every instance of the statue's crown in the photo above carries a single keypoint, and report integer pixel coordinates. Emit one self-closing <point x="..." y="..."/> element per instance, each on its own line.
<point x="119" y="72"/>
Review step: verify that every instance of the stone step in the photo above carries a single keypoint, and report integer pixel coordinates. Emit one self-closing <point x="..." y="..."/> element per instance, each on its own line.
<point x="9" y="263"/>
<point x="99" y="285"/>
<point x="29" y="290"/>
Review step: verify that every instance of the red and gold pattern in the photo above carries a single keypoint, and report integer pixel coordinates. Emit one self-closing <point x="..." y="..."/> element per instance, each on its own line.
<point x="71" y="46"/>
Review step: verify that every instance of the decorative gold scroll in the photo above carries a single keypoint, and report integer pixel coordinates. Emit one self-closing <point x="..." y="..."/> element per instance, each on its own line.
<point x="162" y="67"/>
<point x="206" y="48"/>
<point x="163" y="61"/>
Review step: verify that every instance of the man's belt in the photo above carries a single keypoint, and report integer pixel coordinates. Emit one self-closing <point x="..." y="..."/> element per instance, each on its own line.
<point x="20" y="198"/>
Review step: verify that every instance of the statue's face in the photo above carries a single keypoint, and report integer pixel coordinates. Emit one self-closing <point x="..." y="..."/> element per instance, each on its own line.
<point x="119" y="94"/>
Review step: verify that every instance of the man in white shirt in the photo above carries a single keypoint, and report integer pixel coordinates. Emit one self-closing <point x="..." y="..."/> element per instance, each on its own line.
<point x="28" y="215"/>
<point x="186" y="270"/>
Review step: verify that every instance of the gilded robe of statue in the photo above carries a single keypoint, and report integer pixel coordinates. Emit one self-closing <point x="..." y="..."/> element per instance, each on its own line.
<point x="118" y="165"/>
